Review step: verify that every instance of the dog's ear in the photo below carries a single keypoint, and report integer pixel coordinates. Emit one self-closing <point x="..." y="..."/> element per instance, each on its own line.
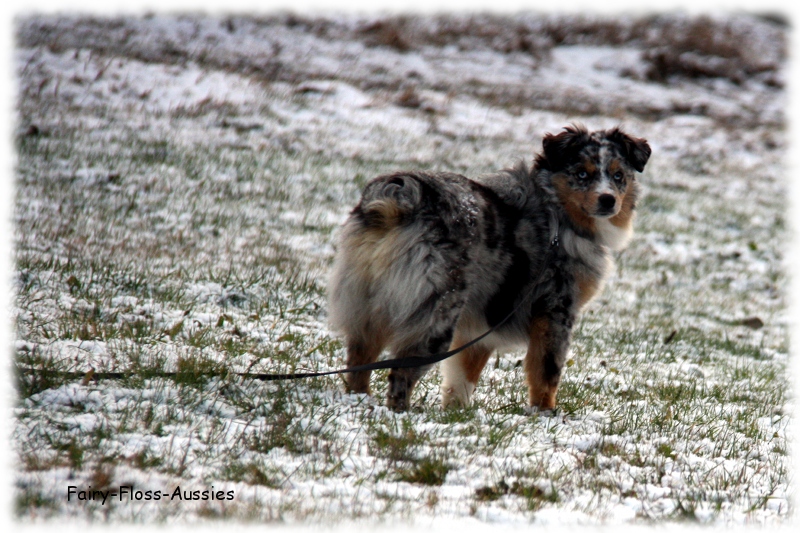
<point x="562" y="148"/>
<point x="635" y="151"/>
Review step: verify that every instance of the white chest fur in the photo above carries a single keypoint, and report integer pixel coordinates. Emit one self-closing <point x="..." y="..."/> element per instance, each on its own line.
<point x="613" y="236"/>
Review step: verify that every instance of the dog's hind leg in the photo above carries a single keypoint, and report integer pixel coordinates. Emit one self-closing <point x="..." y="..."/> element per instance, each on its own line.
<point x="403" y="380"/>
<point x="361" y="352"/>
<point x="437" y="318"/>
<point x="460" y="373"/>
<point x="401" y="384"/>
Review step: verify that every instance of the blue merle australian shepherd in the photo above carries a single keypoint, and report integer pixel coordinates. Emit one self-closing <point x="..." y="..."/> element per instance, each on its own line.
<point x="428" y="261"/>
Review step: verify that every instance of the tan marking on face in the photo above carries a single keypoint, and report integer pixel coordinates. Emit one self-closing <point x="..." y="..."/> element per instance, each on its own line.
<point x="624" y="218"/>
<point x="576" y="203"/>
<point x="541" y="392"/>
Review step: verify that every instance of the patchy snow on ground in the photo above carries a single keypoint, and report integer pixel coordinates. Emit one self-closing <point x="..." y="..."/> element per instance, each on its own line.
<point x="179" y="186"/>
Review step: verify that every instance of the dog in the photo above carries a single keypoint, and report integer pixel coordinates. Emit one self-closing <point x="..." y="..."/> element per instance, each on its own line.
<point x="431" y="260"/>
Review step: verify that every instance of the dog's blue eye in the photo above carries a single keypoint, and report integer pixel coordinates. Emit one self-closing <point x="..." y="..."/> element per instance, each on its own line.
<point x="618" y="176"/>
<point x="583" y="174"/>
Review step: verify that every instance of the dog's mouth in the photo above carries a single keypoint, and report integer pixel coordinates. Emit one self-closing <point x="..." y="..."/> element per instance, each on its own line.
<point x="605" y="213"/>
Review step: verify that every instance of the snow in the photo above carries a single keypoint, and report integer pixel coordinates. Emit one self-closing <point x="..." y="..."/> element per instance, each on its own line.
<point x="197" y="435"/>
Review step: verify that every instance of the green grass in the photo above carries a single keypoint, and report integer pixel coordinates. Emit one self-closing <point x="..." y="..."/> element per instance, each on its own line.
<point x="143" y="249"/>
<point x="276" y="293"/>
<point x="427" y="471"/>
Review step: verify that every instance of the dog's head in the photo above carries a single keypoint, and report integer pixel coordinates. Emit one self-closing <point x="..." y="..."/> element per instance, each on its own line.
<point x="594" y="174"/>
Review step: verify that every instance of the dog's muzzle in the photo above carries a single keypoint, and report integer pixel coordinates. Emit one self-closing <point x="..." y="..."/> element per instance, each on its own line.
<point x="605" y="205"/>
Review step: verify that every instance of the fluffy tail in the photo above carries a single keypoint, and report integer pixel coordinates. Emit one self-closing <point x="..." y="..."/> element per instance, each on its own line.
<point x="389" y="200"/>
<point x="373" y="255"/>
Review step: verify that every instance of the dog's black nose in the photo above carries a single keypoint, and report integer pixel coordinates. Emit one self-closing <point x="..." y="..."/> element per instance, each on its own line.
<point x="606" y="202"/>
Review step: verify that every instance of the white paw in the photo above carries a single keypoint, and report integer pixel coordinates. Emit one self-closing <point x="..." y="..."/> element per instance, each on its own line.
<point x="535" y="410"/>
<point x="457" y="396"/>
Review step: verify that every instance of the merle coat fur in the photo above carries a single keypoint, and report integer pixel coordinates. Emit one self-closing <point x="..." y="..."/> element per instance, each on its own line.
<point x="428" y="261"/>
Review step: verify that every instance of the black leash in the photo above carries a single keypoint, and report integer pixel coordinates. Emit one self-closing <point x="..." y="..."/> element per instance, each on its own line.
<point x="406" y="362"/>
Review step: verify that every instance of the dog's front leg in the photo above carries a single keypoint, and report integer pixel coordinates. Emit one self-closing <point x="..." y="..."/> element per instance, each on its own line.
<point x="547" y="351"/>
<point x="460" y="373"/>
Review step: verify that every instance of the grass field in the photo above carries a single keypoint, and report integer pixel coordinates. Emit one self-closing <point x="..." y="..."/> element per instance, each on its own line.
<point x="179" y="186"/>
